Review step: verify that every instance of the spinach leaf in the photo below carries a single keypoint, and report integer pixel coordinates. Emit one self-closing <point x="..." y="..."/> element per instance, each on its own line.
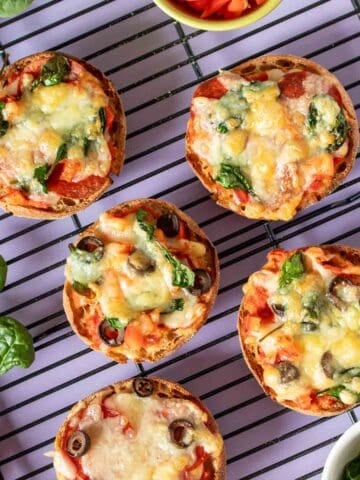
<point x="292" y="268"/>
<point x="352" y="469"/>
<point x="116" y="323"/>
<point x="16" y="345"/>
<point x="148" y="227"/>
<point x="176" y="305"/>
<point x="4" y="124"/>
<point x="53" y="72"/>
<point x="60" y="154"/>
<point x="41" y="175"/>
<point x="3" y="272"/>
<point x="102" y="116"/>
<point x="222" y="128"/>
<point x="326" y="116"/>
<point x="230" y="176"/>
<point x="183" y="276"/>
<point x="86" y="146"/>
<point x="312" y="304"/>
<point x="332" y="392"/>
<point x="13" y="7"/>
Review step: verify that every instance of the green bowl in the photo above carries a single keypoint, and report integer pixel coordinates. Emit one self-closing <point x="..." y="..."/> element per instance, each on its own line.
<point x="218" y="25"/>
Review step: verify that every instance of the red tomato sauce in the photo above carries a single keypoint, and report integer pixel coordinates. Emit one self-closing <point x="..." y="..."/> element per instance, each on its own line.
<point x="218" y="9"/>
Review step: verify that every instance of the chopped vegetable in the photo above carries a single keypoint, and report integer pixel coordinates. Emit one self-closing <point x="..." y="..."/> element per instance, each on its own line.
<point x="176" y="305"/>
<point x="148" y="227"/>
<point x="4" y="124"/>
<point x="41" y="175"/>
<point x="3" y="272"/>
<point x="222" y="128"/>
<point x="116" y="323"/>
<point x="53" y="72"/>
<point x="326" y="120"/>
<point x="230" y="176"/>
<point x="352" y="469"/>
<point x="312" y="304"/>
<point x="332" y="392"/>
<point x="183" y="276"/>
<point x="221" y="8"/>
<point x="16" y="345"/>
<point x="102" y="116"/>
<point x="13" y="7"/>
<point x="292" y="269"/>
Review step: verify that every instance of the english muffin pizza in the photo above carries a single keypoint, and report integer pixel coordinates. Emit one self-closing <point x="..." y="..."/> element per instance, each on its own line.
<point x="142" y="428"/>
<point x="299" y="325"/>
<point x="140" y="281"/>
<point x="271" y="136"/>
<point x="62" y="133"/>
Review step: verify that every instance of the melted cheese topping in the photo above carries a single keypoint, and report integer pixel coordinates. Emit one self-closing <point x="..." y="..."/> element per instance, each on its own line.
<point x="136" y="444"/>
<point x="335" y="330"/>
<point x="124" y="293"/>
<point x="46" y="117"/>
<point x="255" y="129"/>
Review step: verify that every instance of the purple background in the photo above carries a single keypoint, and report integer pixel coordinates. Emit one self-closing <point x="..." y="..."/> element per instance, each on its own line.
<point x="147" y="57"/>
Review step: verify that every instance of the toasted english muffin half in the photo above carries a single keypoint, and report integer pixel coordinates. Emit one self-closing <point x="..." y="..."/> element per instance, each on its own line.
<point x="140" y="281"/>
<point x="139" y="428"/>
<point x="271" y="136"/>
<point x="62" y="134"/>
<point x="299" y="328"/>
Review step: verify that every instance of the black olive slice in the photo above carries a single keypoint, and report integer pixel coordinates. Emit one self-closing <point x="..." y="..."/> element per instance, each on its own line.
<point x="169" y="223"/>
<point x="109" y="335"/>
<point x="88" y="250"/>
<point x="143" y="387"/>
<point x="278" y="309"/>
<point x="288" y="371"/>
<point x="202" y="283"/>
<point x="181" y="432"/>
<point x="335" y="288"/>
<point x="140" y="262"/>
<point x="78" y="444"/>
<point x="328" y="365"/>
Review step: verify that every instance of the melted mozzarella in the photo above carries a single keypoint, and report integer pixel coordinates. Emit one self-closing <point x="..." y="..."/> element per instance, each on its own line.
<point x="124" y="293"/>
<point x="143" y="451"/>
<point x="270" y="145"/>
<point x="42" y="120"/>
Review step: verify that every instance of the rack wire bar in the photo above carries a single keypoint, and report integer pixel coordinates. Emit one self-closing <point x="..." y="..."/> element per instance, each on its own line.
<point x="156" y="63"/>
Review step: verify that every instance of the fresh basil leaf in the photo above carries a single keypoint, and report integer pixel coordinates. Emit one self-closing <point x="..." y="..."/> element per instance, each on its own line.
<point x="148" y="227"/>
<point x="80" y="287"/>
<point x="102" y="116"/>
<point x="230" y="176"/>
<point x="332" y="392"/>
<point x="3" y="272"/>
<point x="292" y="268"/>
<point x="340" y="131"/>
<point x="222" y="128"/>
<point x="9" y="8"/>
<point x="116" y="323"/>
<point x="86" y="146"/>
<point x="41" y="175"/>
<point x="16" y="345"/>
<point x="54" y="71"/>
<point x="183" y="276"/>
<point x="60" y="154"/>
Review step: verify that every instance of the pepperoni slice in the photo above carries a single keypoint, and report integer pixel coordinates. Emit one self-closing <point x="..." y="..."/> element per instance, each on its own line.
<point x="76" y="190"/>
<point x="257" y="77"/>
<point x="291" y="85"/>
<point x="211" y="89"/>
<point x="334" y="92"/>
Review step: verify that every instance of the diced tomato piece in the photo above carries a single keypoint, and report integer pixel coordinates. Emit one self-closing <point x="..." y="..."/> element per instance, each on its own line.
<point x="237" y="7"/>
<point x="110" y="117"/>
<point x="76" y="190"/>
<point x="182" y="231"/>
<point x="134" y="337"/>
<point x="210" y="89"/>
<point x="257" y="77"/>
<point x="318" y="183"/>
<point x="291" y="85"/>
<point x="201" y="457"/>
<point x="66" y="170"/>
<point x="213" y="7"/>
<point x="242" y="195"/>
<point x="334" y="92"/>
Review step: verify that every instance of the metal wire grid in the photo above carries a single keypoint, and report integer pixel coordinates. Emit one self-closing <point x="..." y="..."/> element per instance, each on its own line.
<point x="246" y="242"/>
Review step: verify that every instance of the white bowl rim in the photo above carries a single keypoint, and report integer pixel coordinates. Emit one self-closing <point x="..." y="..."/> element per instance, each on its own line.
<point x="340" y="446"/>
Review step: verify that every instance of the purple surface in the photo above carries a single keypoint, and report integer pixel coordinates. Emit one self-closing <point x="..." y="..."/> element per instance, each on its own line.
<point x="149" y="62"/>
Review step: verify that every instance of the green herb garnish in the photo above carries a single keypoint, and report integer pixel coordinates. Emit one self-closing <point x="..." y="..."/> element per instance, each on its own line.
<point x="116" y="323"/>
<point x="230" y="176"/>
<point x="148" y="227"/>
<point x="16" y="345"/>
<point x="292" y="269"/>
<point x="222" y="128"/>
<point x="53" y="72"/>
<point x="332" y="392"/>
<point x="312" y="304"/>
<point x="41" y="175"/>
<point x="3" y="273"/>
<point x="102" y="116"/>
